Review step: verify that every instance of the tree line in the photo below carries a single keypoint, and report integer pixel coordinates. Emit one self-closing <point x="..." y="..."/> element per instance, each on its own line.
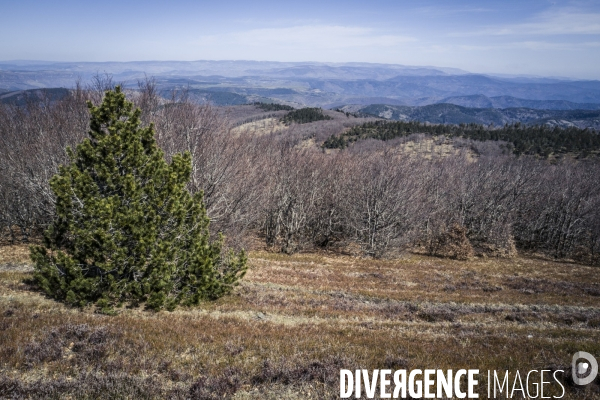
<point x="538" y="140"/>
<point x="305" y="116"/>
<point x="272" y="106"/>
<point x="371" y="201"/>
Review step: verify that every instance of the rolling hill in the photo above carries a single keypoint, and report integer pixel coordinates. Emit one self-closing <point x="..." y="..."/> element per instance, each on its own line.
<point x="454" y="114"/>
<point x="319" y="84"/>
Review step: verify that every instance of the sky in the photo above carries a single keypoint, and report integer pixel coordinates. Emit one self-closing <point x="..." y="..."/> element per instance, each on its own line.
<point x="541" y="38"/>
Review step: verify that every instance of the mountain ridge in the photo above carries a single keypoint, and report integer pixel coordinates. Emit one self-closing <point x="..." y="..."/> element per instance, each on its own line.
<point x="315" y="84"/>
<point x="445" y="113"/>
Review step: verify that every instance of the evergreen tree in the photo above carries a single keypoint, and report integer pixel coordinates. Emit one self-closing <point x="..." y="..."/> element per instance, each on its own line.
<point x="305" y="116"/>
<point x="523" y="139"/>
<point x="126" y="228"/>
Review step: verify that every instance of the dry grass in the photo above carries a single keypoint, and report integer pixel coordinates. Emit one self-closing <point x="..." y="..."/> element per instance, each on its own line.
<point x="434" y="147"/>
<point x="15" y="258"/>
<point x="295" y="321"/>
<point x="260" y="127"/>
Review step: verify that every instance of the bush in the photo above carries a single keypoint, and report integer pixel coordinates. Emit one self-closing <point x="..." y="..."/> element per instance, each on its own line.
<point x="454" y="244"/>
<point x="126" y="228"/>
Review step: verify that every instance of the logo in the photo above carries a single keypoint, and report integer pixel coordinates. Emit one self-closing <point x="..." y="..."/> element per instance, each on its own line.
<point x="584" y="372"/>
<point x="464" y="383"/>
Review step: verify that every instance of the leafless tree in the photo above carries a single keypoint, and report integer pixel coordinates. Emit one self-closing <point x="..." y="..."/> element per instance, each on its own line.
<point x="281" y="186"/>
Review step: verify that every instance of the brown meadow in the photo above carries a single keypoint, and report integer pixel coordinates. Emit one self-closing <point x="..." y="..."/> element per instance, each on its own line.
<point x="295" y="321"/>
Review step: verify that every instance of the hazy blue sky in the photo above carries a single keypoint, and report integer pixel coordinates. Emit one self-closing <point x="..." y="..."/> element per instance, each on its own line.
<point x="551" y="38"/>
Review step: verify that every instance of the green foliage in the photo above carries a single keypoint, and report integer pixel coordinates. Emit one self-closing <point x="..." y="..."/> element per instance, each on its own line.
<point x="524" y="139"/>
<point x="357" y="114"/>
<point x="272" y="106"/>
<point x="126" y="228"/>
<point x="304" y="116"/>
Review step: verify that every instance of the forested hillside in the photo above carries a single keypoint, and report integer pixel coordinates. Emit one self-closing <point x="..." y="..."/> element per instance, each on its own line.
<point x="305" y="116"/>
<point x="273" y="106"/>
<point x="456" y="114"/>
<point x="536" y="140"/>
<point x="282" y="187"/>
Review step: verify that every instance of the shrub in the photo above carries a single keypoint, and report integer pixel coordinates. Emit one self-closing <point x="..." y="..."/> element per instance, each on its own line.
<point x="126" y="228"/>
<point x="454" y="244"/>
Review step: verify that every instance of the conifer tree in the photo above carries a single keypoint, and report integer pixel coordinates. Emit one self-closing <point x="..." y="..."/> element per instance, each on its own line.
<point x="127" y="231"/>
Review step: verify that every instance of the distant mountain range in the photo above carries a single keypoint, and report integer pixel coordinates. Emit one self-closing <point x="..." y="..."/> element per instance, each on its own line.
<point x="20" y="97"/>
<point x="428" y="94"/>
<point x="317" y="84"/>
<point x="454" y="114"/>
<point x="481" y="101"/>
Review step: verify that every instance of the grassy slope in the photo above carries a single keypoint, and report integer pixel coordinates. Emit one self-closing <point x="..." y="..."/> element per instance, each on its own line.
<point x="295" y="321"/>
